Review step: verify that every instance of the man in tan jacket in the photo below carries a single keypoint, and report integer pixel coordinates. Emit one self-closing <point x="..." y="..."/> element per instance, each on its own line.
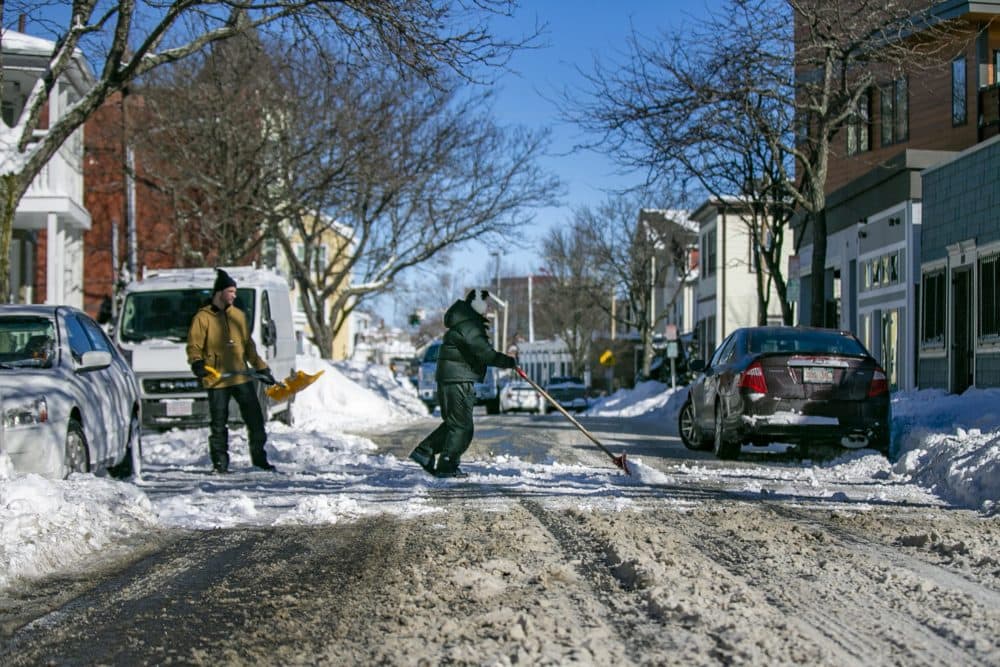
<point x="219" y="337"/>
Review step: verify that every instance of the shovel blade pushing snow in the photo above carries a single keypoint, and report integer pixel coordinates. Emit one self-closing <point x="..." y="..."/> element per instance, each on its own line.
<point x="291" y="385"/>
<point x="619" y="460"/>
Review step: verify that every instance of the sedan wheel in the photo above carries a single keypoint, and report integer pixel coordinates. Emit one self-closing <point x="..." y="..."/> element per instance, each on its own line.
<point x="76" y="449"/>
<point x="725" y="448"/>
<point x="124" y="468"/>
<point x="688" y="429"/>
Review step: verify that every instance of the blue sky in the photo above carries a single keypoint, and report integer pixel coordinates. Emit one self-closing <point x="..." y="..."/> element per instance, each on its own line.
<point x="576" y="33"/>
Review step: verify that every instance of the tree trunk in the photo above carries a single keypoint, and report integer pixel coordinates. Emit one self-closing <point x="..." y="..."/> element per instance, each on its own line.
<point x="817" y="310"/>
<point x="10" y="194"/>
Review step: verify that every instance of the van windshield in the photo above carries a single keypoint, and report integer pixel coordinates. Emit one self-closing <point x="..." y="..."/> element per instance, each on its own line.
<point x="167" y="314"/>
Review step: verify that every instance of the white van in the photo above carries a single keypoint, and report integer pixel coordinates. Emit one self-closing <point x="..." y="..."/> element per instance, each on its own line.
<point x="152" y="326"/>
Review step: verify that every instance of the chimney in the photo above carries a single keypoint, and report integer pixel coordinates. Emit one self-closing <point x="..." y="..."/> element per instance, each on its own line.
<point x="22" y="21"/>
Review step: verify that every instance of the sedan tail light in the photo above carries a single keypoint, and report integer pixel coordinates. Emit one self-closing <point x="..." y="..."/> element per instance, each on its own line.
<point x="879" y="385"/>
<point x="753" y="379"/>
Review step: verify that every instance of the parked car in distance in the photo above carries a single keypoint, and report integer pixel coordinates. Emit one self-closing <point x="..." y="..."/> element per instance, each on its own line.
<point x="519" y="396"/>
<point x="569" y="392"/>
<point x="794" y="385"/>
<point x="70" y="400"/>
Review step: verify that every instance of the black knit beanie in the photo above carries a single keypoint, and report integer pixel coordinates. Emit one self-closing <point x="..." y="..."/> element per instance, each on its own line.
<point x="222" y="281"/>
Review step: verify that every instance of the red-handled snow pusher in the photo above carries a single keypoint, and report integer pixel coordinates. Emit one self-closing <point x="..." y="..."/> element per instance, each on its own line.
<point x="619" y="460"/>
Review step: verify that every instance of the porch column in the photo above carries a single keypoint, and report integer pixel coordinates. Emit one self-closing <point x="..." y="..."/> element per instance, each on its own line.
<point x="52" y="269"/>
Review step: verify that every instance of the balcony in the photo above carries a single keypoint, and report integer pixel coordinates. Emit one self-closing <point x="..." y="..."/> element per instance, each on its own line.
<point x="989" y="111"/>
<point x="58" y="189"/>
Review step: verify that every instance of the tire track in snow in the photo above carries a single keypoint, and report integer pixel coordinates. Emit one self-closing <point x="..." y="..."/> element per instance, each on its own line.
<point x="837" y="592"/>
<point x="626" y="613"/>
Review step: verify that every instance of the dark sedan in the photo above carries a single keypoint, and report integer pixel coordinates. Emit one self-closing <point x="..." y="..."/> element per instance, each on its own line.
<point x="793" y="385"/>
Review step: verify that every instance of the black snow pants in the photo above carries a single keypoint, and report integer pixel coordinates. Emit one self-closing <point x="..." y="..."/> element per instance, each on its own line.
<point x="218" y="410"/>
<point x="454" y="435"/>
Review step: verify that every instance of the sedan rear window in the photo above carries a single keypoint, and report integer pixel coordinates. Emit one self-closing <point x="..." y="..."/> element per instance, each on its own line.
<point x="27" y="341"/>
<point x="804" y="341"/>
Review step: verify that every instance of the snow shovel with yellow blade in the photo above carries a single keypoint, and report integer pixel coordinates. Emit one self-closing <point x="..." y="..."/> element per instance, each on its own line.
<point x="278" y="392"/>
<point x="291" y="385"/>
<point x="619" y="460"/>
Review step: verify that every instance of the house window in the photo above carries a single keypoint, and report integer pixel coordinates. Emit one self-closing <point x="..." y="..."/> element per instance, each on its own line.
<point x="958" y="91"/>
<point x="753" y="250"/>
<point x="859" y="126"/>
<point x="989" y="293"/>
<point x="895" y="112"/>
<point x="802" y="127"/>
<point x="996" y="66"/>
<point x="708" y="253"/>
<point x="932" y="334"/>
<point x="318" y="257"/>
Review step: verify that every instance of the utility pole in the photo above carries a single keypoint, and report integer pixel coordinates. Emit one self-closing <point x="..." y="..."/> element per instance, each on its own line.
<point x="531" y="313"/>
<point x="497" y="253"/>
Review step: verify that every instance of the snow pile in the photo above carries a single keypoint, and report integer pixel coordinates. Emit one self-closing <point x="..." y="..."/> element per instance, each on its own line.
<point x="350" y="395"/>
<point x="46" y="525"/>
<point x="650" y="398"/>
<point x="951" y="444"/>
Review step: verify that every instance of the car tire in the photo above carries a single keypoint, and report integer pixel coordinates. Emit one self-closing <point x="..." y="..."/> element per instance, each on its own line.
<point x="124" y="469"/>
<point x="76" y="456"/>
<point x="690" y="433"/>
<point x="493" y="406"/>
<point x="724" y="445"/>
<point x="882" y="442"/>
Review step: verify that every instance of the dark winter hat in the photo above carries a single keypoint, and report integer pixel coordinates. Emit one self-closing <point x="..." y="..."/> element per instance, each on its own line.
<point x="222" y="281"/>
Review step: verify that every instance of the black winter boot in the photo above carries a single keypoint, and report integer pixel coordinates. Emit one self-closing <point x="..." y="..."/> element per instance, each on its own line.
<point x="448" y="467"/>
<point x="424" y="458"/>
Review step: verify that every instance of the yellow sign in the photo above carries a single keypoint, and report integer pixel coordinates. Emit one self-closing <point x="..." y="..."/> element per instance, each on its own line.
<point x="607" y="358"/>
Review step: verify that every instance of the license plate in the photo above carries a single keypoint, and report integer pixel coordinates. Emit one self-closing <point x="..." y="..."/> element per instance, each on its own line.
<point x="178" y="408"/>
<point x="817" y="375"/>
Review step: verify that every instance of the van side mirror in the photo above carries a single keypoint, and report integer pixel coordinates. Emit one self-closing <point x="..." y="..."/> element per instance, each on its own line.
<point x="269" y="333"/>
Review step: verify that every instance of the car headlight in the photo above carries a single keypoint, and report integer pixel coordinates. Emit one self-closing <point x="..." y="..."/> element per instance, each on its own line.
<point x="26" y="414"/>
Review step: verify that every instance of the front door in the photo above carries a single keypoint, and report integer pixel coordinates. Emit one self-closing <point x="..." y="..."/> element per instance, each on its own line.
<point x="961" y="326"/>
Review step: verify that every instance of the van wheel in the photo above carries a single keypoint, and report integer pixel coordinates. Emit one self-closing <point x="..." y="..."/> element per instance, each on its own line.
<point x="76" y="456"/>
<point x="493" y="407"/>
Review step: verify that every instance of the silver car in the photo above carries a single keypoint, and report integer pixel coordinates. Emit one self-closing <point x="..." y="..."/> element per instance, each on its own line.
<point x="519" y="395"/>
<point x="70" y="402"/>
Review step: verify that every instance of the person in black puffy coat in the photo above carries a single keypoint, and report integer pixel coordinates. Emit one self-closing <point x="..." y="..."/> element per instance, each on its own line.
<point x="462" y="360"/>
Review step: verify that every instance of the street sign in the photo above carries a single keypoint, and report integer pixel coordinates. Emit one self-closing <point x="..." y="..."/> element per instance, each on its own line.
<point x="671" y="332"/>
<point x="607" y="358"/>
<point x="672" y="349"/>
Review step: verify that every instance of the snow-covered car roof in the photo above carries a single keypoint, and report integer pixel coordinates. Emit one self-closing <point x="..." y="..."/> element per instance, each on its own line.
<point x="38" y="309"/>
